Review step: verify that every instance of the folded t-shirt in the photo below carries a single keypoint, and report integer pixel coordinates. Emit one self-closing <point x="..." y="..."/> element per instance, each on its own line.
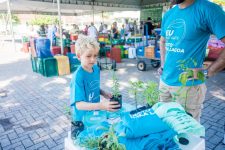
<point x="140" y="124"/>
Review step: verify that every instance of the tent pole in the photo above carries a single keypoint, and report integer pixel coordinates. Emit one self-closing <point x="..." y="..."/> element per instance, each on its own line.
<point x="60" y="25"/>
<point x="11" y="26"/>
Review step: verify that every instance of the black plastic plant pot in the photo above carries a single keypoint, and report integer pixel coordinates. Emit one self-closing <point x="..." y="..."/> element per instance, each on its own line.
<point x="102" y="145"/>
<point x="149" y="106"/>
<point x="117" y="99"/>
<point x="189" y="114"/>
<point x="140" y="109"/>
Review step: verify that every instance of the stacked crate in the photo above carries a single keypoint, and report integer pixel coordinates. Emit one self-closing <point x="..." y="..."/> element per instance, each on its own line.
<point x="63" y="65"/>
<point x="41" y="58"/>
<point x="150" y="52"/>
<point x="74" y="62"/>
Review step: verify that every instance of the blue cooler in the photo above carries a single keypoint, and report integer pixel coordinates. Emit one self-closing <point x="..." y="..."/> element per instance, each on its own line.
<point x="157" y="54"/>
<point x="140" y="51"/>
<point x="43" y="48"/>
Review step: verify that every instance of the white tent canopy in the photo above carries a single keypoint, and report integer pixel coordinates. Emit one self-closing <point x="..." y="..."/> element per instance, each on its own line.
<point x="75" y="7"/>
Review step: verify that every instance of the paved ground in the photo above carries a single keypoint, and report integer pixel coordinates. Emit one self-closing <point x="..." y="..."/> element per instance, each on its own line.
<point x="33" y="113"/>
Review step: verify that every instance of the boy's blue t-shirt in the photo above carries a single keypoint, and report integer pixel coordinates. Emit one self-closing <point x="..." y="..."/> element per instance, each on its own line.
<point x="84" y="86"/>
<point x="187" y="32"/>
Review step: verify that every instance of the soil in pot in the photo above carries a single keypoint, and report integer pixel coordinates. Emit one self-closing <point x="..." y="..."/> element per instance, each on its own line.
<point x="117" y="99"/>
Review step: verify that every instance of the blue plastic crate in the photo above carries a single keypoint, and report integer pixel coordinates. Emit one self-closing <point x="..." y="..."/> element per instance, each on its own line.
<point x="43" y="48"/>
<point x="140" y="51"/>
<point x="157" y="54"/>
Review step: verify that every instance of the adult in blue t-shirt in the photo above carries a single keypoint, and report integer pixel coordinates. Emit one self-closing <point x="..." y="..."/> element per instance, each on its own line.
<point x="186" y="28"/>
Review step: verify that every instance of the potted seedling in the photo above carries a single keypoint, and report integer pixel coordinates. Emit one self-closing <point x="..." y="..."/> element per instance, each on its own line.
<point x="109" y="141"/>
<point x="135" y="90"/>
<point x="91" y="143"/>
<point x="115" y="90"/>
<point x="151" y="93"/>
<point x="188" y="75"/>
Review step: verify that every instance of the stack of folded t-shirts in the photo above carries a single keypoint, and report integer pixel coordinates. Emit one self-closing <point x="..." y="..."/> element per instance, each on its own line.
<point x="174" y="115"/>
<point x="144" y="130"/>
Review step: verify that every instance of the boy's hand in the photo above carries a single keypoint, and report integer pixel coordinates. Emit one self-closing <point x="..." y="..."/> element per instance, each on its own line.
<point x="107" y="95"/>
<point x="109" y="106"/>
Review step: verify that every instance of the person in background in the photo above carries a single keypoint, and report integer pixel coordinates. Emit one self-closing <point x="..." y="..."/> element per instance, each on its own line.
<point x="122" y="32"/>
<point x="41" y="32"/>
<point x="52" y="31"/>
<point x="148" y="27"/>
<point x="115" y="30"/>
<point x="135" y="27"/>
<point x="127" y="28"/>
<point x="101" y="28"/>
<point x="85" y="31"/>
<point x="92" y="31"/>
<point x="184" y="39"/>
<point x="105" y="29"/>
<point x="85" y="84"/>
<point x="75" y="29"/>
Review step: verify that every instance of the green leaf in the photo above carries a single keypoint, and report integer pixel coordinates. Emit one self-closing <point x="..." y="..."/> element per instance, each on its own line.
<point x="201" y="76"/>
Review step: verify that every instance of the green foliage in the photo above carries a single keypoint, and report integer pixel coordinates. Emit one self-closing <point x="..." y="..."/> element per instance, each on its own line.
<point x="15" y="19"/>
<point x="116" y="85"/>
<point x="136" y="87"/>
<point x="188" y="73"/>
<point x="44" y="20"/>
<point x="109" y="141"/>
<point x="151" y="92"/>
<point x="185" y="76"/>
<point x="90" y="143"/>
<point x="5" y="18"/>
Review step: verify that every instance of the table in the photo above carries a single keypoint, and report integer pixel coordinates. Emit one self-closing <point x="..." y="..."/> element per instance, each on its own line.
<point x="196" y="143"/>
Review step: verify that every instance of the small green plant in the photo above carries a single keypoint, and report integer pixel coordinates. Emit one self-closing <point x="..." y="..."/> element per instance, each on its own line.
<point x="90" y="143"/>
<point x="109" y="141"/>
<point x="116" y="85"/>
<point x="67" y="110"/>
<point x="136" y="89"/>
<point x="151" y="93"/>
<point x="188" y="75"/>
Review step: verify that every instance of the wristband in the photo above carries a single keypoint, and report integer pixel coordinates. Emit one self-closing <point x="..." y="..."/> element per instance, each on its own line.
<point x="205" y="72"/>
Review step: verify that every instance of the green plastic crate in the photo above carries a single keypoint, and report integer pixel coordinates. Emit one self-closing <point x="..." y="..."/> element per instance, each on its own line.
<point x="50" y="67"/>
<point x="40" y="68"/>
<point x="34" y="63"/>
<point x="25" y="39"/>
<point x="66" y="42"/>
<point x="47" y="66"/>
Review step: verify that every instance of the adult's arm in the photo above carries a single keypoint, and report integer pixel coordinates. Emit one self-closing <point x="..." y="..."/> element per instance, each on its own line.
<point x="162" y="50"/>
<point x="219" y="64"/>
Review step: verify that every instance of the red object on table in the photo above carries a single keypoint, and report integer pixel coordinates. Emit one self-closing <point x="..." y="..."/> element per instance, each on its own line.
<point x="65" y="51"/>
<point x="116" y="54"/>
<point x="56" y="50"/>
<point x="73" y="37"/>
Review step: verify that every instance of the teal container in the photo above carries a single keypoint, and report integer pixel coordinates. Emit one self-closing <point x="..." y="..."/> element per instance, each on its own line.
<point x="66" y="42"/>
<point x="25" y="39"/>
<point x="47" y="66"/>
<point x="34" y="63"/>
<point x="73" y="67"/>
<point x="50" y="67"/>
<point x="40" y="67"/>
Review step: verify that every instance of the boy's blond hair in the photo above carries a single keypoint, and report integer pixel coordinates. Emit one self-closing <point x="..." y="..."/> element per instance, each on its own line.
<point x="85" y="43"/>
